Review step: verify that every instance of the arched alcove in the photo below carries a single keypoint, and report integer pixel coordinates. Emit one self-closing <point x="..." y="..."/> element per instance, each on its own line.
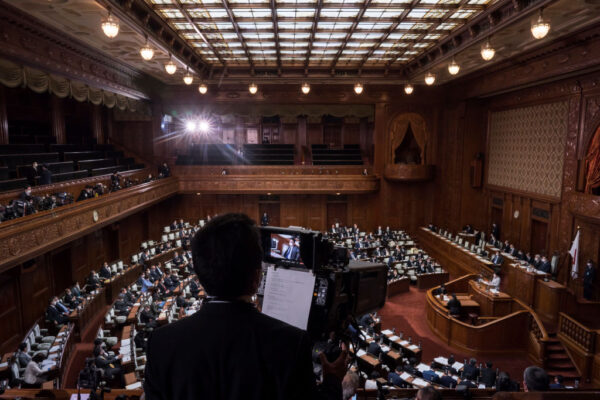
<point x="408" y="139"/>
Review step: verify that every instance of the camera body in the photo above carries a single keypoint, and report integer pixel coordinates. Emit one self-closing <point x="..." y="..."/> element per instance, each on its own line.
<point x="342" y="289"/>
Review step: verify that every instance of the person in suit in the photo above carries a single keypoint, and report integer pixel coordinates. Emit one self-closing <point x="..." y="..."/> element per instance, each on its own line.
<point x="31" y="173"/>
<point x="111" y="365"/>
<point x="535" y="379"/>
<point x="454" y="306"/>
<point x="54" y="314"/>
<point x="545" y="265"/>
<point x="144" y="283"/>
<point x="147" y="317"/>
<point x="121" y="306"/>
<point x="558" y="383"/>
<point x="21" y="355"/>
<point x="495" y="232"/>
<point x="105" y="272"/>
<point x="488" y="375"/>
<point x="497" y="259"/>
<point x="227" y="258"/>
<point x="447" y="380"/>
<point x="93" y="281"/>
<point x="505" y="384"/>
<point x="45" y="175"/>
<point x="470" y="370"/>
<point x="164" y="171"/>
<point x="195" y="287"/>
<point x="76" y="291"/>
<point x="181" y="302"/>
<point x="512" y="250"/>
<point x="395" y="379"/>
<point x="264" y="220"/>
<point x="537" y="261"/>
<point x="431" y="376"/>
<point x="128" y="296"/>
<point x="374" y="347"/>
<point x="589" y="276"/>
<point x="69" y="299"/>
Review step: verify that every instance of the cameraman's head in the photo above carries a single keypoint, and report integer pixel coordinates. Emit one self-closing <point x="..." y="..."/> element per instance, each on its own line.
<point x="227" y="256"/>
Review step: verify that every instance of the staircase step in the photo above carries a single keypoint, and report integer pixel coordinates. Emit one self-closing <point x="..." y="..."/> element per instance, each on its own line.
<point x="559" y="357"/>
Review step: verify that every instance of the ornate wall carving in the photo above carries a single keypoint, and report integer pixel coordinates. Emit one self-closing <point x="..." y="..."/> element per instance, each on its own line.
<point x="526" y="148"/>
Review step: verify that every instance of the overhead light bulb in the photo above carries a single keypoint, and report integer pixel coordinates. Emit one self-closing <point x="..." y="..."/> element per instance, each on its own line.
<point x="170" y="67"/>
<point x="305" y="88"/>
<point x="252" y="88"/>
<point x="453" y="67"/>
<point x="487" y="51"/>
<point x="147" y="52"/>
<point x="358" y="88"/>
<point x="408" y="88"/>
<point x="429" y="78"/>
<point x="202" y="88"/>
<point x="188" y="79"/>
<point x="541" y="27"/>
<point x="110" y="26"/>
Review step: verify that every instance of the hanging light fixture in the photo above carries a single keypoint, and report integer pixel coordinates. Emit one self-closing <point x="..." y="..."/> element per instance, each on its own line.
<point x="170" y="67"/>
<point x="202" y="88"/>
<point x="252" y="88"/>
<point x="487" y="51"/>
<point x="429" y="78"/>
<point x="146" y="51"/>
<point x="188" y="78"/>
<point x="305" y="88"/>
<point x="453" y="67"/>
<point x="408" y="88"/>
<point x="358" y="88"/>
<point x="540" y="27"/>
<point x="110" y="26"/>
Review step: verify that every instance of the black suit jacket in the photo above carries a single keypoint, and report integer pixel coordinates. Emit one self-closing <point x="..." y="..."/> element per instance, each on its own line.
<point x="488" y="377"/>
<point x="232" y="351"/>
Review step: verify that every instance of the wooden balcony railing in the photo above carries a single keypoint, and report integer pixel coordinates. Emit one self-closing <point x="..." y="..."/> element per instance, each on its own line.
<point x="576" y="333"/>
<point x="29" y="236"/>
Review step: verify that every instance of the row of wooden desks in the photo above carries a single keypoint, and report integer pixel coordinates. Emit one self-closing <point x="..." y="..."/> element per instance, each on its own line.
<point x="113" y="286"/>
<point x="87" y="311"/>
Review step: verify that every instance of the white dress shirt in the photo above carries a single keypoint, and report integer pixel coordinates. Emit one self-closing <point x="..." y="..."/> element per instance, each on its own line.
<point x="32" y="374"/>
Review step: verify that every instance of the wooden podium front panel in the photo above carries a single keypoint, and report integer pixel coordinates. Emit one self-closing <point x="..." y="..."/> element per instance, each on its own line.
<point x="549" y="300"/>
<point x="520" y="284"/>
<point x="490" y="305"/>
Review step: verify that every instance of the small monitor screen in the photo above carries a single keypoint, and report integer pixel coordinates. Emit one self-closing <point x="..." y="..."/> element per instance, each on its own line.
<point x="285" y="247"/>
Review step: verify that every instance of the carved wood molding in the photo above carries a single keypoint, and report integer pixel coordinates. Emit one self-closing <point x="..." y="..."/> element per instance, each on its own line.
<point x="279" y="184"/>
<point x="35" y="44"/>
<point x="40" y="232"/>
<point x="409" y="173"/>
<point x="214" y="170"/>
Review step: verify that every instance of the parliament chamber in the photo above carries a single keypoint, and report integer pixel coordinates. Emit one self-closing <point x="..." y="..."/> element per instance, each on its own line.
<point x="452" y="144"/>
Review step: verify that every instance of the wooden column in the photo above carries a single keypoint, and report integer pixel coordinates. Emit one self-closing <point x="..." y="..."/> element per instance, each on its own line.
<point x="3" y="117"/>
<point x="97" y="129"/>
<point x="57" y="119"/>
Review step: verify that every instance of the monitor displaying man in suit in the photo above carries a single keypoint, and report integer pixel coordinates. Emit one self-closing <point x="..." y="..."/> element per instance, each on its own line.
<point x="216" y="345"/>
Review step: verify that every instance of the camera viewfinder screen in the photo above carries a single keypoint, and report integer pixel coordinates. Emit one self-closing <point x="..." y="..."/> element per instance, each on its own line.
<point x="285" y="247"/>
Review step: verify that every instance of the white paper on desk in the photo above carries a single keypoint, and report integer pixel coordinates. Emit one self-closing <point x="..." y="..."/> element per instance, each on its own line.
<point x="481" y="386"/>
<point x="360" y="353"/>
<point x="457" y="365"/>
<point x="422" y="367"/>
<point x="125" y="350"/>
<point x="405" y="376"/>
<point x="4" y="365"/>
<point x="446" y="298"/>
<point x="413" y="347"/>
<point x="385" y="349"/>
<point x="404" y="343"/>
<point x="52" y="356"/>
<point x="125" y="342"/>
<point x="387" y="332"/>
<point x="63" y="333"/>
<point x="53" y="349"/>
<point x="83" y="396"/>
<point x="439" y="373"/>
<point x="420" y="382"/>
<point x="136" y="304"/>
<point x="288" y="295"/>
<point x="441" y="360"/>
<point x="126" y="359"/>
<point x="394" y="338"/>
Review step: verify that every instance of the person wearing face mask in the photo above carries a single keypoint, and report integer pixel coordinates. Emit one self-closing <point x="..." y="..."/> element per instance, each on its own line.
<point x="56" y="314"/>
<point x="26" y="194"/>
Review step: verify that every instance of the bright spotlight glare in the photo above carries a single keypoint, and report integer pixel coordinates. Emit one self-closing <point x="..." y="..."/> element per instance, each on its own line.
<point x="190" y="126"/>
<point x="204" y="126"/>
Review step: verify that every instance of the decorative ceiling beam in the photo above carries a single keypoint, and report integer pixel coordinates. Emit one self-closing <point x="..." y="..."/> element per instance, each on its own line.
<point x="199" y="32"/>
<point x="276" y="33"/>
<point x="294" y="6"/>
<point x="391" y="29"/>
<point x="313" y="32"/>
<point x="505" y="12"/>
<point x="284" y="30"/>
<point x="200" y="20"/>
<point x="142" y="19"/>
<point x="430" y="30"/>
<point x="239" y="33"/>
<point x="349" y="34"/>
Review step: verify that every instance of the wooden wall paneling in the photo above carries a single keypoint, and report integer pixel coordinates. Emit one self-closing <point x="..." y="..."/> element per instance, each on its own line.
<point x="3" y="117"/>
<point x="337" y="212"/>
<point x="292" y="208"/>
<point x="36" y="287"/>
<point x="273" y="210"/>
<point x="314" y="133"/>
<point x="351" y="133"/>
<point x="288" y="133"/>
<point x="525" y="218"/>
<point x="10" y="311"/>
<point x="57" y="119"/>
<point x="60" y="267"/>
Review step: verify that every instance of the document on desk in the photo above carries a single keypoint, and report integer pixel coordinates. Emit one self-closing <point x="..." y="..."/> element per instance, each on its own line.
<point x="288" y="295"/>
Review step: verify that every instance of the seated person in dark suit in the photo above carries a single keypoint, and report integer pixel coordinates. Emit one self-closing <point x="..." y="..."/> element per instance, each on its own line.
<point x="558" y="383"/>
<point x="497" y="259"/>
<point x="227" y="258"/>
<point x="195" y="287"/>
<point x="110" y="365"/>
<point x="394" y="378"/>
<point x="431" y="376"/>
<point x="105" y="272"/>
<point x="45" y="175"/>
<point x="76" y="290"/>
<point x="147" y="317"/>
<point x="488" y="375"/>
<point x="470" y="370"/>
<point x="181" y="302"/>
<point x="454" y="306"/>
<point x="93" y="281"/>
<point x="26" y="194"/>
<point x="374" y="347"/>
<point x="177" y="259"/>
<point x="505" y="384"/>
<point x="54" y="313"/>
<point x="128" y="297"/>
<point x="467" y="382"/>
<point x="447" y="380"/>
<point x="70" y="300"/>
<point x="545" y="265"/>
<point x="121" y="306"/>
<point x="409" y="367"/>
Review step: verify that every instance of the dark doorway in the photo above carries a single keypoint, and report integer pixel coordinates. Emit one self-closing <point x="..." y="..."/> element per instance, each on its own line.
<point x="539" y="237"/>
<point x="61" y="269"/>
<point x="497" y="219"/>
<point x="272" y="210"/>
